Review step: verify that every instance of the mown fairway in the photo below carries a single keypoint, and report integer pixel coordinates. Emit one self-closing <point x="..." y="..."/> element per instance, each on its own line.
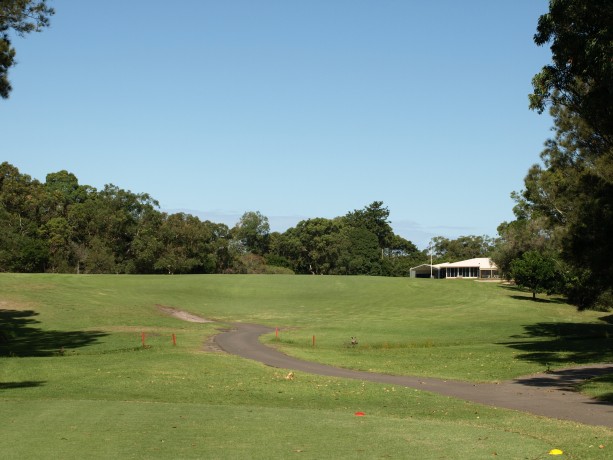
<point x="75" y="380"/>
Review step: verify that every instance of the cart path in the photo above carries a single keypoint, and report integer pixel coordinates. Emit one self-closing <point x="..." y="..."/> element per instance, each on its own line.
<point x="550" y="395"/>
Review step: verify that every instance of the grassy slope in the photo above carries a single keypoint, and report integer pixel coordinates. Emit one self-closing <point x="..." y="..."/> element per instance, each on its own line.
<point x="108" y="396"/>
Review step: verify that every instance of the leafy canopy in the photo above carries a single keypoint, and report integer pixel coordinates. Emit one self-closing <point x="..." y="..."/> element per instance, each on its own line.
<point x="535" y="272"/>
<point x="581" y="73"/>
<point x="566" y="208"/>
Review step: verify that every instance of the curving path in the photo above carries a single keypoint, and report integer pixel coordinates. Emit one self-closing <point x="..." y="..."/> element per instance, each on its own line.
<point x="549" y="395"/>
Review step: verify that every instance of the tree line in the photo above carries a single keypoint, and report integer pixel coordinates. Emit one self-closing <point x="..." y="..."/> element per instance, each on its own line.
<point x="61" y="226"/>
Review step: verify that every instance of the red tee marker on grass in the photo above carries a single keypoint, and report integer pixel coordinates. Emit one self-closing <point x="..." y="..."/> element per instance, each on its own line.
<point x="360" y="414"/>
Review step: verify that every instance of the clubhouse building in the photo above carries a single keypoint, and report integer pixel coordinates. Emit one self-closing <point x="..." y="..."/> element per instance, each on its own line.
<point x="479" y="268"/>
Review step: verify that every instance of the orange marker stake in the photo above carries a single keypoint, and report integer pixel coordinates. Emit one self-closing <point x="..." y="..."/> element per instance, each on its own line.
<point x="313" y="340"/>
<point x="142" y="338"/>
<point x="276" y="332"/>
<point x="174" y="340"/>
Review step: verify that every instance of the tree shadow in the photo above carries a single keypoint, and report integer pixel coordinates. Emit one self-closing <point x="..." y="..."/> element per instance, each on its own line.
<point x="573" y="380"/>
<point x="25" y="384"/>
<point x="606" y="397"/>
<point x="19" y="337"/>
<point x="566" y="379"/>
<point x="536" y="300"/>
<point x="607" y="319"/>
<point x="524" y="294"/>
<point x="557" y="344"/>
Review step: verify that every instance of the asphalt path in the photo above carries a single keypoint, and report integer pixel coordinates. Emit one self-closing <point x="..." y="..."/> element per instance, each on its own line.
<point x="550" y="395"/>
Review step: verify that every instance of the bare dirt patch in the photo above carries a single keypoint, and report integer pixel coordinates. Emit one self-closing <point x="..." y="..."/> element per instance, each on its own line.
<point x="210" y="346"/>
<point x="182" y="315"/>
<point x="13" y="305"/>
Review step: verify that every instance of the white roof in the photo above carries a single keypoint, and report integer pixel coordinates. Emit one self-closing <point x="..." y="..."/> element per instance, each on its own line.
<point x="484" y="263"/>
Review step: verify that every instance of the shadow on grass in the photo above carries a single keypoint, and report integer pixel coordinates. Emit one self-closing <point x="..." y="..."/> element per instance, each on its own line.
<point x="557" y="344"/>
<point x="606" y="397"/>
<point x="26" y="384"/>
<point x="19" y="337"/>
<point x="567" y="379"/>
<point x="537" y="299"/>
<point x="524" y="294"/>
<point x="607" y="319"/>
<point x="568" y="344"/>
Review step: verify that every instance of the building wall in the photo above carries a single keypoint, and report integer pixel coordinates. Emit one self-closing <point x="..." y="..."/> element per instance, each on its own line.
<point x="462" y="272"/>
<point x="469" y="272"/>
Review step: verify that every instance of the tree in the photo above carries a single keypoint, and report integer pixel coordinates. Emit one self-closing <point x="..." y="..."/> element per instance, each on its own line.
<point x="581" y="74"/>
<point x="21" y="195"/>
<point x="572" y="196"/>
<point x="316" y="244"/>
<point x="21" y="17"/>
<point x="573" y="190"/>
<point x="117" y="216"/>
<point x="373" y="218"/>
<point x="252" y="231"/>
<point x="218" y="246"/>
<point x="20" y="251"/>
<point x="518" y="237"/>
<point x="401" y="247"/>
<point x="400" y="256"/>
<point x="96" y="257"/>
<point x="184" y="245"/>
<point x="147" y="244"/>
<point x="535" y="272"/>
<point x="359" y="252"/>
<point x="251" y="264"/>
<point x="65" y="190"/>
<point x="462" y="248"/>
<point x="21" y="201"/>
<point x="58" y="234"/>
<point x="286" y="250"/>
<point x="361" y="242"/>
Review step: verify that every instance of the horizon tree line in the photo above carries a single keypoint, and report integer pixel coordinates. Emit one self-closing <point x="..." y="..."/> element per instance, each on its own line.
<point x="61" y="226"/>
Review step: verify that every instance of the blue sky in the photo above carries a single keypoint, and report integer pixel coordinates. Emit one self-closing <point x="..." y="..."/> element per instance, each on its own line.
<point x="296" y="109"/>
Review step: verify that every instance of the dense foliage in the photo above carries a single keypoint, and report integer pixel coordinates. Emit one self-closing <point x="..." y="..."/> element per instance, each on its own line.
<point x="535" y="272"/>
<point x="566" y="208"/>
<point x="462" y="248"/>
<point x="63" y="226"/>
<point x="580" y="76"/>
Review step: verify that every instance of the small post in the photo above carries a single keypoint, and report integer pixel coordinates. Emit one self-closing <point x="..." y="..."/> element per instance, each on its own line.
<point x="142" y="338"/>
<point x="313" y="340"/>
<point x="174" y="340"/>
<point x="277" y="333"/>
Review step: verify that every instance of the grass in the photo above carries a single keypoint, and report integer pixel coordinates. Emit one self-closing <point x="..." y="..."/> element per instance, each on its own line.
<point x="74" y="377"/>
